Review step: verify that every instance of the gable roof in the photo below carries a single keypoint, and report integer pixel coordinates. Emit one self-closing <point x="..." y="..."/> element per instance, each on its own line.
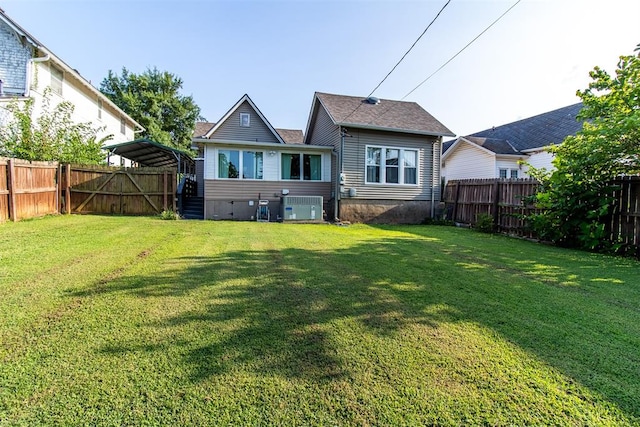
<point x="538" y="131"/>
<point x="47" y="55"/>
<point x="388" y="115"/>
<point x="245" y="98"/>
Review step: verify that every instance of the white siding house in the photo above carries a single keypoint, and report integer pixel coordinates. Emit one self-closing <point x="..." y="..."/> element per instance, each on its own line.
<point x="505" y="151"/>
<point x="28" y="68"/>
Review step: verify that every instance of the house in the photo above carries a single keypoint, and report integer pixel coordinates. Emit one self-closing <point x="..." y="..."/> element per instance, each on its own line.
<point x="27" y="68"/>
<point x="244" y="163"/>
<point x="387" y="157"/>
<point x="499" y="152"/>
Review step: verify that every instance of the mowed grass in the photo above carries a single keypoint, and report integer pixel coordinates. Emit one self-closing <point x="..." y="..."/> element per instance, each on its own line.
<point x="137" y="321"/>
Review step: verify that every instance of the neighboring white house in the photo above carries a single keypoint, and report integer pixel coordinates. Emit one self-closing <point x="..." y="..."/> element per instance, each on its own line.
<point x="27" y="68"/>
<point x="499" y="152"/>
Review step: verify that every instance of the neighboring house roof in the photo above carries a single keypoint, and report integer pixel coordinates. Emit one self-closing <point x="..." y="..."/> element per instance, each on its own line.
<point x="46" y="54"/>
<point x="388" y="115"/>
<point x="245" y="98"/>
<point x="291" y="136"/>
<point x="523" y="135"/>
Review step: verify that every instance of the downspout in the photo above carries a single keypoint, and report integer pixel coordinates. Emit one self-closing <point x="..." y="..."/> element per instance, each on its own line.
<point x="336" y="190"/>
<point x="434" y="167"/>
<point x="27" y="87"/>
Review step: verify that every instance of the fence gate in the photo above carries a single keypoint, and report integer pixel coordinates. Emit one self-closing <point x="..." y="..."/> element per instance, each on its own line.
<point x="125" y="191"/>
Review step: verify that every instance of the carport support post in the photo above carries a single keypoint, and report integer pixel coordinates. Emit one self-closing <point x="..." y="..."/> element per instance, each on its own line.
<point x="165" y="190"/>
<point x="174" y="187"/>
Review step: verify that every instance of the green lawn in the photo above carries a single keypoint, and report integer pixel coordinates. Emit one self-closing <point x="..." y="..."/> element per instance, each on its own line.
<point x="138" y="321"/>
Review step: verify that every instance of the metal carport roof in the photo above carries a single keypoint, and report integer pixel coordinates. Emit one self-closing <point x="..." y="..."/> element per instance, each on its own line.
<point x="149" y="153"/>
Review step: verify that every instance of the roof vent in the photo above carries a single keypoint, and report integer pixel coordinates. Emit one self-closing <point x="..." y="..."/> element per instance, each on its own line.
<point x="372" y="100"/>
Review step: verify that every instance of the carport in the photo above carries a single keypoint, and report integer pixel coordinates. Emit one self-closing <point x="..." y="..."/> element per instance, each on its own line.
<point x="148" y="153"/>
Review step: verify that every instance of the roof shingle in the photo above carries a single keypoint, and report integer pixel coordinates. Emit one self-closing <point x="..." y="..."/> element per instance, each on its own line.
<point x="388" y="114"/>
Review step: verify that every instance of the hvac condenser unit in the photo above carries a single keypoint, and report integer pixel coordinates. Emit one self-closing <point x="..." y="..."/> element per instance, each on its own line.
<point x="301" y="208"/>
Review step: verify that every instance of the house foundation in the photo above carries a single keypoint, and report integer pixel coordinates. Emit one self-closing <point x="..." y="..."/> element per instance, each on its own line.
<point x="384" y="211"/>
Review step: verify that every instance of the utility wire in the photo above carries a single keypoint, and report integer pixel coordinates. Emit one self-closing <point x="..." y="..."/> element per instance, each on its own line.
<point x="401" y="59"/>
<point x="412" y="46"/>
<point x="461" y="50"/>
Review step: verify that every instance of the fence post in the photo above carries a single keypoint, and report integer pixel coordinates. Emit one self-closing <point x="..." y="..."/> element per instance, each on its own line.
<point x="496" y="201"/>
<point x="13" y="211"/>
<point x="59" y="189"/>
<point x="67" y="186"/>
<point x="455" y="202"/>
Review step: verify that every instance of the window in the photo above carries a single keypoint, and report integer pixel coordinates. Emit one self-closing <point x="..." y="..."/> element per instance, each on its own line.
<point x="307" y="167"/>
<point x="508" y="173"/>
<point x="290" y="166"/>
<point x="245" y="120"/>
<point x="252" y="165"/>
<point x="236" y="164"/>
<point x="391" y="165"/>
<point x="99" y="108"/>
<point x="56" y="80"/>
<point x="123" y="126"/>
<point x="312" y="167"/>
<point x="228" y="163"/>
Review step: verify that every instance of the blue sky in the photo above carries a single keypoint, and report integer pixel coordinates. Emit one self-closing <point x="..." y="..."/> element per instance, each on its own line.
<point x="281" y="52"/>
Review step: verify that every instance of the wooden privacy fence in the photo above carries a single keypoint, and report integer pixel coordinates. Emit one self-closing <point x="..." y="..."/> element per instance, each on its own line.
<point x="32" y="189"/>
<point x="27" y="189"/>
<point x="501" y="199"/>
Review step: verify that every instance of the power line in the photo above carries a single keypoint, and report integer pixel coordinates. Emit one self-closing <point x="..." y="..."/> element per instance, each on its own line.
<point x="461" y="50"/>
<point x="401" y="59"/>
<point x="412" y="46"/>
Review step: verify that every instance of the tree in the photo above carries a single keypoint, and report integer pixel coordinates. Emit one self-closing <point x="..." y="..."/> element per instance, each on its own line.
<point x="153" y="100"/>
<point x="52" y="136"/>
<point x="576" y="196"/>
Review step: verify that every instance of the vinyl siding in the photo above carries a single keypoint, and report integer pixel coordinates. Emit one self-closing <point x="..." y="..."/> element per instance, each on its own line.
<point x="269" y="190"/>
<point x="355" y="158"/>
<point x="323" y="131"/>
<point x="231" y="130"/>
<point x="468" y="162"/>
<point x="540" y="159"/>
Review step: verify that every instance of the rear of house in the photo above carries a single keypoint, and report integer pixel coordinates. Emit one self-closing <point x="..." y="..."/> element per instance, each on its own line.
<point x="247" y="164"/>
<point x="387" y="167"/>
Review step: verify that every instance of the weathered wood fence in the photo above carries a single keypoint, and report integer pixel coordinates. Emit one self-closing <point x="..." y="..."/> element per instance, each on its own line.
<point x="31" y="189"/>
<point x="503" y="200"/>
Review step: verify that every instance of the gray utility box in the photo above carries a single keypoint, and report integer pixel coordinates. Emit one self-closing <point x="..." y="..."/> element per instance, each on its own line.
<point x="301" y="208"/>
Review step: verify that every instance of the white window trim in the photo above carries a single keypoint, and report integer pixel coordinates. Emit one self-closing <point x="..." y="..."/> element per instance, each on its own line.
<point x="248" y="116"/>
<point x="100" y="109"/>
<point x="240" y="164"/>
<point x="301" y="154"/>
<point x="508" y="172"/>
<point x="383" y="171"/>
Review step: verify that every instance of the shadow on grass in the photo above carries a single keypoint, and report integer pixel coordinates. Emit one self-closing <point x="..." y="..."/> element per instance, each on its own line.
<point x="271" y="312"/>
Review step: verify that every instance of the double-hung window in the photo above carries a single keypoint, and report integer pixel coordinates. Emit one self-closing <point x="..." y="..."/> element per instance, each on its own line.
<point x="237" y="164"/>
<point x="57" y="76"/>
<point x="296" y="166"/>
<point x="391" y="165"/>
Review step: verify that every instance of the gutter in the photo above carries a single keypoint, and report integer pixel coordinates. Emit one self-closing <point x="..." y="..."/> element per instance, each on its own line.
<point x="27" y="85"/>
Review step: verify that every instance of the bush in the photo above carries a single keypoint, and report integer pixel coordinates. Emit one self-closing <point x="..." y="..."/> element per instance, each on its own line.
<point x="169" y="215"/>
<point x="484" y="223"/>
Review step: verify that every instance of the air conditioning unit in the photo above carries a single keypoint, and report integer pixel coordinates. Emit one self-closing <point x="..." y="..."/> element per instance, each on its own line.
<point x="301" y="208"/>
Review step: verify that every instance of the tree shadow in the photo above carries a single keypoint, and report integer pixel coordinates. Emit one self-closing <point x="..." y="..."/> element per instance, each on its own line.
<point x="273" y="311"/>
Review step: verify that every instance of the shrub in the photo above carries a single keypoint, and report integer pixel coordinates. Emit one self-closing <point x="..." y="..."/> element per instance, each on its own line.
<point x="484" y="223"/>
<point x="169" y="215"/>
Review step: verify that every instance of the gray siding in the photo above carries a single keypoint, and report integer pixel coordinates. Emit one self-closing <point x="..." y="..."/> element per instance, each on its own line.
<point x="14" y="57"/>
<point x="323" y="131"/>
<point x="258" y="131"/>
<point x="354" y="166"/>
<point x="228" y="199"/>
